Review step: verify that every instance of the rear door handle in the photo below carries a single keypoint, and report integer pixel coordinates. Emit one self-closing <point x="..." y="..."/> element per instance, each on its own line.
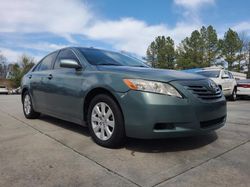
<point x="50" y="76"/>
<point x="30" y="76"/>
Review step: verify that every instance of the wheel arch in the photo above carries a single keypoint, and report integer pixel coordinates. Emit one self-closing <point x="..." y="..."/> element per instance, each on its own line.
<point x="23" y="91"/>
<point x="235" y="88"/>
<point x="94" y="92"/>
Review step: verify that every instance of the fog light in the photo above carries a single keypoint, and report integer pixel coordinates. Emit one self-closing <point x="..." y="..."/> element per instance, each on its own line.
<point x="164" y="126"/>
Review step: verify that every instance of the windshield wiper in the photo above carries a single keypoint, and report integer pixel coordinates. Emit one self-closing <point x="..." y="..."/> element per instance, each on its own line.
<point x="141" y="66"/>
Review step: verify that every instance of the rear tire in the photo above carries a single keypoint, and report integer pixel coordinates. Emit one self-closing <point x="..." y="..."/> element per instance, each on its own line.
<point x="105" y="121"/>
<point x="28" y="109"/>
<point x="233" y="97"/>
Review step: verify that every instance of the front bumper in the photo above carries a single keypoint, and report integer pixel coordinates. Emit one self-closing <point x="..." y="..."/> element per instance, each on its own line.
<point x="177" y="117"/>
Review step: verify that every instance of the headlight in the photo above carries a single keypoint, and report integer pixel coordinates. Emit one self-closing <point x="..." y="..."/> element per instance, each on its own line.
<point x="152" y="86"/>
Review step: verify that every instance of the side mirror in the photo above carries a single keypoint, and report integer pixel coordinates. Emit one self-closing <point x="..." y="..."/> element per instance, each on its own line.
<point x="69" y="63"/>
<point x="225" y="76"/>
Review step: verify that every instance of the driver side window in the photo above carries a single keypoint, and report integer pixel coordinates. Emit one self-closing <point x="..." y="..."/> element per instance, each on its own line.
<point x="231" y="75"/>
<point x="225" y="74"/>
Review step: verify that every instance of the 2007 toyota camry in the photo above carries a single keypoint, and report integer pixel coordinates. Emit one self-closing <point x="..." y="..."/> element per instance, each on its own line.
<point x="118" y="96"/>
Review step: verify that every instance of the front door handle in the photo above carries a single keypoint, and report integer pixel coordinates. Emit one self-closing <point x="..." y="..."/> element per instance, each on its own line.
<point x="50" y="76"/>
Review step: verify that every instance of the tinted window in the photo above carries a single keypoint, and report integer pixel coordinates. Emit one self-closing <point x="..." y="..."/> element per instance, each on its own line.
<point x="225" y="73"/>
<point x="65" y="54"/>
<point x="102" y="57"/>
<point x="211" y="74"/>
<point x="46" y="63"/>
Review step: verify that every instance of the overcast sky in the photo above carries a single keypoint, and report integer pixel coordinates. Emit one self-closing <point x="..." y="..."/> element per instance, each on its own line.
<point x="37" y="27"/>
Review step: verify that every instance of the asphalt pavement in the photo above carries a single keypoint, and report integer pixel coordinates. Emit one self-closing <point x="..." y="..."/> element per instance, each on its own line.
<point x="52" y="152"/>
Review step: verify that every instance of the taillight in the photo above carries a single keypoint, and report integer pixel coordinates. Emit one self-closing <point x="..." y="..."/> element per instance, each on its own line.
<point x="244" y="85"/>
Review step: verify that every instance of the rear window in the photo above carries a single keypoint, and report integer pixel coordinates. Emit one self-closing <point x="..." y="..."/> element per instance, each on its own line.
<point x="46" y="63"/>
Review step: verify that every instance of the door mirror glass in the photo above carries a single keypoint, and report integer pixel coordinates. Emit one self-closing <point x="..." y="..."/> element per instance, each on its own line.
<point x="69" y="63"/>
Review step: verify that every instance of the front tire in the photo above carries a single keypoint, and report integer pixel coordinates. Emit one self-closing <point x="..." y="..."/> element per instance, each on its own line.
<point x="28" y="109"/>
<point x="105" y="121"/>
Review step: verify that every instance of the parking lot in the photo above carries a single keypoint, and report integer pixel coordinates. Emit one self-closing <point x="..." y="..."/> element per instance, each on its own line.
<point x="52" y="152"/>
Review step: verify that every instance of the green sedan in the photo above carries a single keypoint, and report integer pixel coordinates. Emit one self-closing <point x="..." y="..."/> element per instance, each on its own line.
<point x="118" y="96"/>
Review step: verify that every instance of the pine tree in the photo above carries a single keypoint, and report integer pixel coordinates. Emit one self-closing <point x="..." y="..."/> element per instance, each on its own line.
<point x="199" y="50"/>
<point x="191" y="51"/>
<point x="230" y="46"/>
<point x="212" y="48"/>
<point x="161" y="53"/>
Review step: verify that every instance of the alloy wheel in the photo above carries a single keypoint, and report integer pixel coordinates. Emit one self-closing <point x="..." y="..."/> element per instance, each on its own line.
<point x="27" y="104"/>
<point x="102" y="121"/>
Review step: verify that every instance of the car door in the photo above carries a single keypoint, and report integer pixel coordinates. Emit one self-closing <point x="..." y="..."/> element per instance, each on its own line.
<point x="38" y="79"/>
<point x="65" y="96"/>
<point x="232" y="81"/>
<point x="228" y="84"/>
<point x="224" y="79"/>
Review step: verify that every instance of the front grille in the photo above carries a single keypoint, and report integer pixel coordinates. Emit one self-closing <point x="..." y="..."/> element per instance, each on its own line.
<point x="210" y="123"/>
<point x="203" y="89"/>
<point x="203" y="92"/>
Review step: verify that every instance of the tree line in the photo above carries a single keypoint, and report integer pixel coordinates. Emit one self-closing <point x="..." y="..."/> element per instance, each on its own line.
<point x="15" y="71"/>
<point x="202" y="48"/>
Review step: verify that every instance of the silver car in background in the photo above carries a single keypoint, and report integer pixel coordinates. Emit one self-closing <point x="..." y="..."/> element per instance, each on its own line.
<point x="3" y="90"/>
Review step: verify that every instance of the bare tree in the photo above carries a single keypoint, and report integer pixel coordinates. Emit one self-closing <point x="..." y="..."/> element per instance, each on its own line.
<point x="3" y="67"/>
<point x="25" y="63"/>
<point x="243" y="52"/>
<point x="248" y="66"/>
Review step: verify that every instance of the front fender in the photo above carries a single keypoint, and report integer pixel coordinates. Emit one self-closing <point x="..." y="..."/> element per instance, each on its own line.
<point x="110" y="81"/>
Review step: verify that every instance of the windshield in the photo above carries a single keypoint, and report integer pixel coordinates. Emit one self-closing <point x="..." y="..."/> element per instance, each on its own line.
<point x="210" y="74"/>
<point x="102" y="57"/>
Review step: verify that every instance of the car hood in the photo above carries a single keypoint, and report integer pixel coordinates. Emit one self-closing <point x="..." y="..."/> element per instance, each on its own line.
<point x="213" y="79"/>
<point x="150" y="73"/>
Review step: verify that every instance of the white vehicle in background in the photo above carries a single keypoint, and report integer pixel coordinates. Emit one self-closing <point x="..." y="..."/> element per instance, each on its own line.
<point x="3" y="90"/>
<point x="16" y="91"/>
<point x="224" y="79"/>
<point x="243" y="87"/>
